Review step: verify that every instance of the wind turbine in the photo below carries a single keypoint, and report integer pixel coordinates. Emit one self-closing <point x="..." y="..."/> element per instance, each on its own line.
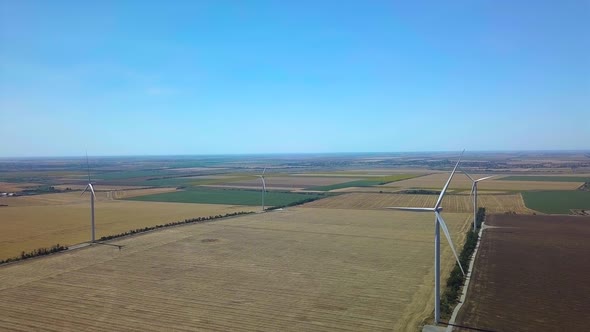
<point x="92" y="197"/>
<point x="438" y="223"/>
<point x="474" y="193"/>
<point x="261" y="176"/>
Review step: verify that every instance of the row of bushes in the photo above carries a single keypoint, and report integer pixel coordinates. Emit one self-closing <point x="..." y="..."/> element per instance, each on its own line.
<point x="420" y="192"/>
<point x="455" y="282"/>
<point x="35" y="253"/>
<point x="174" y="223"/>
<point x="303" y="201"/>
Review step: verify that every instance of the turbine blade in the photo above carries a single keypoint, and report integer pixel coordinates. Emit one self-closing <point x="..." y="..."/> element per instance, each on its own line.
<point x="88" y="166"/>
<point x="464" y="172"/>
<point x="415" y="209"/>
<point x="92" y="189"/>
<point x="448" y="235"/>
<point x="442" y="193"/>
<point x="263" y="184"/>
<point x="487" y="177"/>
<point x="472" y="190"/>
<point x="264" y="170"/>
<point x="84" y="190"/>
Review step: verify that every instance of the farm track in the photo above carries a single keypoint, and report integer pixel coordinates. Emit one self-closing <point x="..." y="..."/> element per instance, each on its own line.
<point x="284" y="270"/>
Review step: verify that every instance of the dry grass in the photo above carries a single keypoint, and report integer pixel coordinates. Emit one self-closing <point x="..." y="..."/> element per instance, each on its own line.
<point x="461" y="181"/>
<point x="30" y="227"/>
<point x="451" y="203"/>
<point x="294" y="270"/>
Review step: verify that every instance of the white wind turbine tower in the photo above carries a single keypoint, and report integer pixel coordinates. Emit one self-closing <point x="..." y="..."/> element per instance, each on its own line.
<point x="438" y="223"/>
<point x="474" y="193"/>
<point x="261" y="176"/>
<point x="92" y="197"/>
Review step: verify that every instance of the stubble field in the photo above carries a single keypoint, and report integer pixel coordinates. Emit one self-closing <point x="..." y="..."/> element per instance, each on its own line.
<point x="451" y="203"/>
<point x="44" y="220"/>
<point x="298" y="269"/>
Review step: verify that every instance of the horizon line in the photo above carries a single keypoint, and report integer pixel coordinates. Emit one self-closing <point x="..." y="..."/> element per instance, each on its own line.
<point x="298" y="153"/>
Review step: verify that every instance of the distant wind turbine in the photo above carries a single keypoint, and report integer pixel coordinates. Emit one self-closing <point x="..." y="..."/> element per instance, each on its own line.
<point x="261" y="176"/>
<point x="438" y="223"/>
<point x="474" y="193"/>
<point x="92" y="197"/>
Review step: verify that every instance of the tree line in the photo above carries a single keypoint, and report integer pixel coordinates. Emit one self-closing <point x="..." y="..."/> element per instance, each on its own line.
<point x="35" y="253"/>
<point x="174" y="223"/>
<point x="455" y="282"/>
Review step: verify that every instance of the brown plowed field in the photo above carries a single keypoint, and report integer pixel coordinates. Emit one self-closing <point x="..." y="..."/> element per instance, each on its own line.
<point x="532" y="273"/>
<point x="451" y="203"/>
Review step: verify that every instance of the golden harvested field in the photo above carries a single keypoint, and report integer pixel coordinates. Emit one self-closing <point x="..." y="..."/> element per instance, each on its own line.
<point x="34" y="226"/>
<point x="451" y="203"/>
<point x="75" y="197"/>
<point x="461" y="181"/>
<point x="293" y="270"/>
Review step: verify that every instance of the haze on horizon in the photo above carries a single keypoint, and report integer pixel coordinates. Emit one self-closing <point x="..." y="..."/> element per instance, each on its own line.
<point x="222" y="77"/>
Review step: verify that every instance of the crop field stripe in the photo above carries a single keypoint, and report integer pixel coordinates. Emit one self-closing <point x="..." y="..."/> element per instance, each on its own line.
<point x="367" y="182"/>
<point x="557" y="202"/>
<point x="231" y="197"/>
<point x="545" y="178"/>
<point x="451" y="203"/>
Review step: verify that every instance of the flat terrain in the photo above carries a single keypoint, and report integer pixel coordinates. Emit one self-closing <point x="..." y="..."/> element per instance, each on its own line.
<point x="292" y="270"/>
<point x="290" y="181"/>
<point x="531" y="274"/>
<point x="451" y="203"/>
<point x="461" y="181"/>
<point x="28" y="227"/>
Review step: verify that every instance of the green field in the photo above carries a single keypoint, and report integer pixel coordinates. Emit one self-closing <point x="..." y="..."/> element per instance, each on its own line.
<point x="556" y="202"/>
<point x="366" y="183"/>
<point x="228" y="196"/>
<point x="547" y="178"/>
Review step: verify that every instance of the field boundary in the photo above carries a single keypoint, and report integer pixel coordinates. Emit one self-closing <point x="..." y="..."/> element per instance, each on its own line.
<point x="465" y="289"/>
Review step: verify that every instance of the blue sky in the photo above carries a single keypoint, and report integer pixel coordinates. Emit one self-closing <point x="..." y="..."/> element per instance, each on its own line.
<point x="217" y="77"/>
